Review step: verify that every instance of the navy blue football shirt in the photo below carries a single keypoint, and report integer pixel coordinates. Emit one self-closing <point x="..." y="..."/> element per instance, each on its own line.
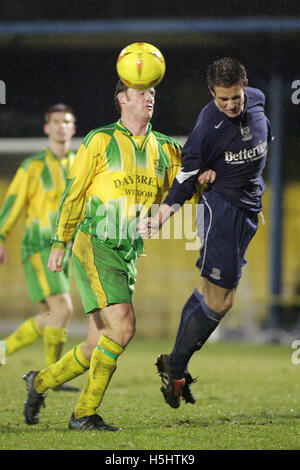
<point x="236" y="148"/>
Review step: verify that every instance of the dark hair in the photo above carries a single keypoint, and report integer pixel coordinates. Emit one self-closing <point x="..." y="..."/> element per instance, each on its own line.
<point x="226" y="72"/>
<point x="58" y="108"/>
<point x="119" y="87"/>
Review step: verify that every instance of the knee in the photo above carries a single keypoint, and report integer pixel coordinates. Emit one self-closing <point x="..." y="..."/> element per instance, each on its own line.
<point x="87" y="348"/>
<point x="60" y="307"/>
<point x="122" y="328"/>
<point x="67" y="310"/>
<point x="127" y="327"/>
<point x="129" y="331"/>
<point x="66" y="306"/>
<point x="227" y="305"/>
<point x="220" y="306"/>
<point x="219" y="299"/>
<point x="70" y="310"/>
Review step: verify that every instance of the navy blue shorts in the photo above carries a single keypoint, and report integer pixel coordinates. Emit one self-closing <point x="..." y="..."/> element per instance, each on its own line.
<point x="225" y="232"/>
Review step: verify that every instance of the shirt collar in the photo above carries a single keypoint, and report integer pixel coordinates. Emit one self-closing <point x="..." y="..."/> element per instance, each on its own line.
<point x="126" y="131"/>
<point x="50" y="152"/>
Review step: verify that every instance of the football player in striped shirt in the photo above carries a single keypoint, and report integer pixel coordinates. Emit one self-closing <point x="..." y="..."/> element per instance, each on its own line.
<point x="38" y="186"/>
<point x="120" y="170"/>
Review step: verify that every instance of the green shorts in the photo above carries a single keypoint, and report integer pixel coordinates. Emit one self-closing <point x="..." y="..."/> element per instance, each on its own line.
<point x="41" y="281"/>
<point x="102" y="276"/>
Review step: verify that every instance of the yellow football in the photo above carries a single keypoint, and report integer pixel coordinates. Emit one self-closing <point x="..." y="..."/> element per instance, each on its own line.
<point x="141" y="66"/>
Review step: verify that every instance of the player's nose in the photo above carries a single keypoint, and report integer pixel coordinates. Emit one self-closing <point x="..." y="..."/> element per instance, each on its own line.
<point x="231" y="105"/>
<point x="149" y="97"/>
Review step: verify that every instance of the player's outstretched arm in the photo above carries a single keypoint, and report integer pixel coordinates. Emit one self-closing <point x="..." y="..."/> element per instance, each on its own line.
<point x="149" y="226"/>
<point x="55" y="260"/>
<point x="3" y="255"/>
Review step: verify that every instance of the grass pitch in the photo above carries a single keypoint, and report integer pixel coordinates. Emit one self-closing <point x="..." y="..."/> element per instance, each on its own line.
<point x="247" y="399"/>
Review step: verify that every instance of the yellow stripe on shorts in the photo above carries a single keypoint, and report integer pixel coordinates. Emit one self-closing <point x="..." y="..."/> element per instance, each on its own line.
<point x="83" y="249"/>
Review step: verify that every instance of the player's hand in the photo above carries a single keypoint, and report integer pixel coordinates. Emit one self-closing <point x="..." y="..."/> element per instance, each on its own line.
<point x="207" y="176"/>
<point x="148" y="227"/>
<point x="3" y="255"/>
<point x="55" y="260"/>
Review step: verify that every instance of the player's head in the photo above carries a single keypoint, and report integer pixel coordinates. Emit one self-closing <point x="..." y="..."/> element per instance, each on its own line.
<point x="226" y="72"/>
<point x="227" y="82"/>
<point x="60" y="123"/>
<point x="138" y="104"/>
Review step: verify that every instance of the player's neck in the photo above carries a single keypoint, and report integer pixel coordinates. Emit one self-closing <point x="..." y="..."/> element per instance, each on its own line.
<point x="59" y="149"/>
<point x="136" y="128"/>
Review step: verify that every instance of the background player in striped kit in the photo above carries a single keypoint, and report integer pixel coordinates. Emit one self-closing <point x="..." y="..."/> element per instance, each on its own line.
<point x="120" y="170"/>
<point x="230" y="136"/>
<point x="37" y="187"/>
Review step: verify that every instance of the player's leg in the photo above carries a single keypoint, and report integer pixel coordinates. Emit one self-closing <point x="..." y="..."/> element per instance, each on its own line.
<point x="54" y="326"/>
<point x="111" y="330"/>
<point x="76" y="362"/>
<point x="116" y="321"/>
<point x="112" y="284"/>
<point x="52" y="290"/>
<point x="198" y="322"/>
<point x="24" y="335"/>
<point x="71" y="365"/>
<point x="106" y="283"/>
<point x="200" y="317"/>
<point x="227" y="231"/>
<point x="29" y="330"/>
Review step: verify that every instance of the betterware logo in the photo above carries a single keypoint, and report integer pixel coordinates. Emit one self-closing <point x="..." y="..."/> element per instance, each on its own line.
<point x="2" y="92"/>
<point x="247" y="155"/>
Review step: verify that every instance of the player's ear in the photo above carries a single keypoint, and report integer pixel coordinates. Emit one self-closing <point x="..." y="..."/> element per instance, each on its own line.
<point x="46" y="129"/>
<point x="122" y="97"/>
<point x="212" y="92"/>
<point x="74" y="129"/>
<point x="246" y="85"/>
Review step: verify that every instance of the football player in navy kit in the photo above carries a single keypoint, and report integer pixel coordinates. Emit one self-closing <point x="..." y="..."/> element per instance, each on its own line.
<point x="231" y="137"/>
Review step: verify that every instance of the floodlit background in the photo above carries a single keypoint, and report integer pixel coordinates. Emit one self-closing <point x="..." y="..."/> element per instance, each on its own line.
<point x="66" y="52"/>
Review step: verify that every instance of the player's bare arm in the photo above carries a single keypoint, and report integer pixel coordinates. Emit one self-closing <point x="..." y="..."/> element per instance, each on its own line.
<point x="55" y="260"/>
<point x="149" y="226"/>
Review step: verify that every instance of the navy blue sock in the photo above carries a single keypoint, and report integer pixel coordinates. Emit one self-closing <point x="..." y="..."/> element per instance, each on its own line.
<point x="198" y="321"/>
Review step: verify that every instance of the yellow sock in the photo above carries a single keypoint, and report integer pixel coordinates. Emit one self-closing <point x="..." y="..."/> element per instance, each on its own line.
<point x="54" y="340"/>
<point x="26" y="334"/>
<point x="71" y="365"/>
<point x="102" y="366"/>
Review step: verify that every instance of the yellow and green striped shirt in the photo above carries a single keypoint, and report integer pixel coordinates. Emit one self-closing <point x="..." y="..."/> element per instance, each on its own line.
<point x="116" y="177"/>
<point x="38" y="186"/>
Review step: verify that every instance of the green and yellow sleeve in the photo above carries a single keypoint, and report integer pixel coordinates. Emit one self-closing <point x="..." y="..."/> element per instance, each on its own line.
<point x="71" y="205"/>
<point x="13" y="203"/>
<point x="174" y="155"/>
